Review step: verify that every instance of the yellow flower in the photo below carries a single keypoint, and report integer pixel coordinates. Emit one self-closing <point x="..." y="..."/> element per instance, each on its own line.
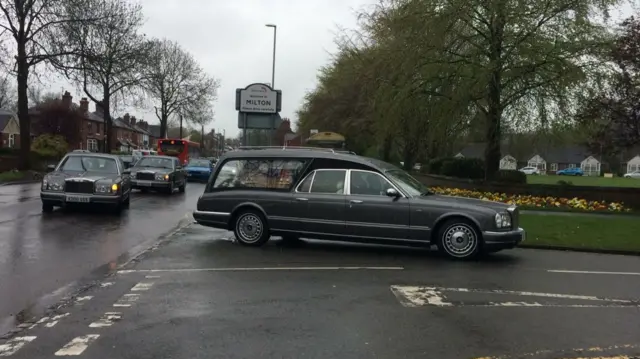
<point x="535" y="201"/>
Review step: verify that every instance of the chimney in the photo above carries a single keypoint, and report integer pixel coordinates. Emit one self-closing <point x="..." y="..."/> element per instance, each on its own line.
<point x="66" y="99"/>
<point x="133" y="120"/>
<point x="126" y="118"/>
<point x="84" y="105"/>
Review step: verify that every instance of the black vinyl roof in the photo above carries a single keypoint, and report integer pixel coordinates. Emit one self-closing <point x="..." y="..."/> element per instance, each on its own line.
<point x="285" y="152"/>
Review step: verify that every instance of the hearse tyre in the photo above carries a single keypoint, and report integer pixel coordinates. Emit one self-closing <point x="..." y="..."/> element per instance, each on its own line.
<point x="250" y="228"/>
<point x="458" y="238"/>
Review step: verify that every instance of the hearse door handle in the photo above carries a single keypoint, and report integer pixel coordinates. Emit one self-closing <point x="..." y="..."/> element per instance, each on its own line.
<point x="302" y="199"/>
<point x="355" y="201"/>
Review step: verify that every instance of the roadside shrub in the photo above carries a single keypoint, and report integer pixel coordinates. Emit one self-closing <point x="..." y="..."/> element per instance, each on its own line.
<point x="435" y="165"/>
<point x="511" y="176"/>
<point x="49" y="146"/>
<point x="471" y="168"/>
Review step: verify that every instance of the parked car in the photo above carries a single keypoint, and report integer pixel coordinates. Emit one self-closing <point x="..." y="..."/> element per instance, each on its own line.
<point x="199" y="169"/>
<point x="634" y="174"/>
<point x="576" y="171"/>
<point x="158" y="173"/>
<point x="317" y="194"/>
<point x="86" y="178"/>
<point x="530" y="170"/>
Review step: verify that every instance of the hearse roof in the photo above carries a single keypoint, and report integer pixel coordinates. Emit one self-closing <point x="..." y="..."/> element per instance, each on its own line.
<point x="290" y="152"/>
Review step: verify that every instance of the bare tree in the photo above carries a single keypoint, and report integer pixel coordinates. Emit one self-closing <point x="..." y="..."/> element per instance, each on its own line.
<point x="112" y="51"/>
<point x="176" y="84"/>
<point x="7" y="93"/>
<point x="34" y="27"/>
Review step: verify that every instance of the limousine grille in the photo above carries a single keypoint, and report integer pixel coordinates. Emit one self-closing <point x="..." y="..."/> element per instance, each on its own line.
<point x="78" y="187"/>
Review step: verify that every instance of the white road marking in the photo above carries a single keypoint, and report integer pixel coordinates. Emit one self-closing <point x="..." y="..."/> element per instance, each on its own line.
<point x="106" y="284"/>
<point x="243" y="269"/>
<point x="50" y="322"/>
<point x="126" y="300"/>
<point x="590" y="272"/>
<point x="151" y="276"/>
<point x="81" y="300"/>
<point x="13" y="345"/>
<point x="141" y="286"/>
<point x="571" y="352"/>
<point x="416" y="296"/>
<point x="77" y="345"/>
<point x="106" y="320"/>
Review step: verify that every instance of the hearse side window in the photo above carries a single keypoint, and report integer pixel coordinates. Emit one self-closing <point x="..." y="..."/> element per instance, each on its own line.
<point x="328" y="181"/>
<point x="259" y="173"/>
<point x="368" y="184"/>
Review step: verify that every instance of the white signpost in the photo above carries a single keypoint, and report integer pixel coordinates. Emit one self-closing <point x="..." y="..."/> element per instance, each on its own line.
<point x="258" y="98"/>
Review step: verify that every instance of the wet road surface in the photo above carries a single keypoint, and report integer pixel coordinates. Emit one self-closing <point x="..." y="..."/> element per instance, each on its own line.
<point x="40" y="254"/>
<point x="199" y="295"/>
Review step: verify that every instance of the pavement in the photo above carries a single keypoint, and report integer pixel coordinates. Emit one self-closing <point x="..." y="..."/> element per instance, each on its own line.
<point x="198" y="294"/>
<point x="44" y="258"/>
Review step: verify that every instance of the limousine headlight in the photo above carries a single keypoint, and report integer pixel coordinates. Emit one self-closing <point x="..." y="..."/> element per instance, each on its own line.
<point x="162" y="177"/>
<point x="103" y="188"/>
<point x="52" y="186"/>
<point x="503" y="220"/>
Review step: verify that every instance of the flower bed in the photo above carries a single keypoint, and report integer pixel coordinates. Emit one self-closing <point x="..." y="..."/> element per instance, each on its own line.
<point x="536" y="201"/>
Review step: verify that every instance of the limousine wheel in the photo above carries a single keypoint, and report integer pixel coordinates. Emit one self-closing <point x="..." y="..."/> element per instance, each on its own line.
<point x="459" y="239"/>
<point x="251" y="228"/>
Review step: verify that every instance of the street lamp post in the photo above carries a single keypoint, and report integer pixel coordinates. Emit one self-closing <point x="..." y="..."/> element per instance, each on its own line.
<point x="273" y="78"/>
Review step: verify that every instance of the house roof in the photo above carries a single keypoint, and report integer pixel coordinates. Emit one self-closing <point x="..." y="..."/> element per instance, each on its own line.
<point x="5" y="116"/>
<point x="565" y="154"/>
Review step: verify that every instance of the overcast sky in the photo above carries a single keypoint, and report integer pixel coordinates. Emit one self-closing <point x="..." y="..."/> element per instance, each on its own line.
<point x="231" y="42"/>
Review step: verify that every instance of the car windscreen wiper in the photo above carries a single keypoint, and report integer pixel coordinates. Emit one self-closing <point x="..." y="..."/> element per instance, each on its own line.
<point x="427" y="193"/>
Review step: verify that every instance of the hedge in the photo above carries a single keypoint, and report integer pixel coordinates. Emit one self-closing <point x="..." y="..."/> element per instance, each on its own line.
<point x="471" y="168"/>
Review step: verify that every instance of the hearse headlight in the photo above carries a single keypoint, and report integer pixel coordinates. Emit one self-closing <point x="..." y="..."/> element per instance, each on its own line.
<point x="162" y="177"/>
<point x="503" y="220"/>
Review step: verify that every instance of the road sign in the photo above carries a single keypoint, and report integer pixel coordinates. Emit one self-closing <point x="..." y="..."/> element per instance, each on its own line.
<point x="259" y="121"/>
<point x="258" y="98"/>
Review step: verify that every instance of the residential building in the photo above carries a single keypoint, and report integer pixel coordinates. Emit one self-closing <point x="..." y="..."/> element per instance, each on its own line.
<point x="9" y="129"/>
<point x="128" y="133"/>
<point x="547" y="161"/>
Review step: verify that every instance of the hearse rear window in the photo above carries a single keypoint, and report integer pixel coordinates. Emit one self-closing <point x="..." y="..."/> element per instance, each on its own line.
<point x="259" y="173"/>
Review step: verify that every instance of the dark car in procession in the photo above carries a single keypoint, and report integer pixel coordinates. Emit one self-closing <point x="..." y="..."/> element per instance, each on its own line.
<point x="158" y="173"/>
<point x="326" y="195"/>
<point x="88" y="179"/>
<point x="199" y="169"/>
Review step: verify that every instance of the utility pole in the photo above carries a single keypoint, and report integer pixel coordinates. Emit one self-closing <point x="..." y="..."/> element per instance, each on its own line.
<point x="180" y="126"/>
<point x="273" y="80"/>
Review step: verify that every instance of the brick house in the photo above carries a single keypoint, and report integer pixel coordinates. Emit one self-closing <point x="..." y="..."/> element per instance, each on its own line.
<point x="127" y="132"/>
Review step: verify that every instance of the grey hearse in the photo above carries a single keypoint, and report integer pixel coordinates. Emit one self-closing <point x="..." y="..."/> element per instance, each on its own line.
<point x="321" y="194"/>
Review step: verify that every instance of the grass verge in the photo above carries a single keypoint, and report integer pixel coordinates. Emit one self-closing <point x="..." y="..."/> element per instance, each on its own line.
<point x="585" y="180"/>
<point x="11" y="176"/>
<point x="615" y="233"/>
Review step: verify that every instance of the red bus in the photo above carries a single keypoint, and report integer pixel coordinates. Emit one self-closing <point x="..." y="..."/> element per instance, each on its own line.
<point x="183" y="149"/>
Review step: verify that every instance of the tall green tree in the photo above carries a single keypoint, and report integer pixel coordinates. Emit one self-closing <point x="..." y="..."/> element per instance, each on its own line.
<point x="521" y="61"/>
